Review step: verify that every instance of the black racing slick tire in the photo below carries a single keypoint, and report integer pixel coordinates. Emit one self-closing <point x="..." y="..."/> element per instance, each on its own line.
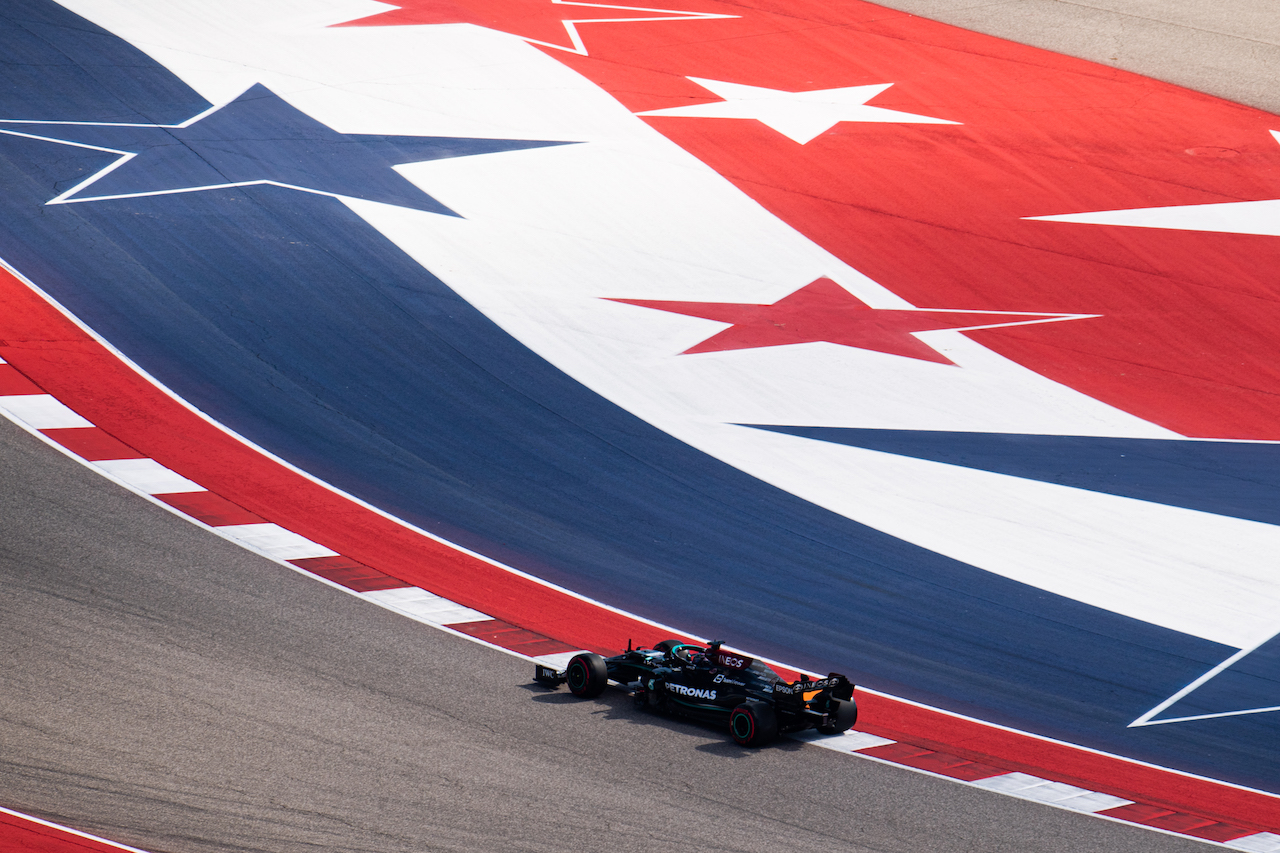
<point x="753" y="723"/>
<point x="843" y="714"/>
<point x="587" y="675"/>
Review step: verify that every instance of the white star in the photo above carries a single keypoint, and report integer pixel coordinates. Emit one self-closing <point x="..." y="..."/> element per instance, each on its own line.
<point x="799" y="115"/>
<point x="1232" y="217"/>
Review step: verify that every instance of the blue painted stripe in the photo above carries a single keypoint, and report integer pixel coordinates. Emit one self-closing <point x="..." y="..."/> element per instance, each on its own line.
<point x="1239" y="479"/>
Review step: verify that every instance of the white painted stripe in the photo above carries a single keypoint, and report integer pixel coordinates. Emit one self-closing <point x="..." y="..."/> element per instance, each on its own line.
<point x="1029" y="787"/>
<point x="1263" y="842"/>
<point x="425" y="606"/>
<point x="148" y="476"/>
<point x="274" y="541"/>
<point x="70" y="831"/>
<point x="848" y="742"/>
<point x="41" y="411"/>
<point x="559" y="660"/>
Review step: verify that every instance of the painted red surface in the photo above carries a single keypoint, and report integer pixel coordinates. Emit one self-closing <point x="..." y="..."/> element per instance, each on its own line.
<point x="18" y="835"/>
<point x="354" y="576"/>
<point x="1175" y="821"/>
<point x="211" y="508"/>
<point x="825" y="311"/>
<point x="941" y="763"/>
<point x="513" y="637"/>
<point x="92" y="443"/>
<point x="13" y="382"/>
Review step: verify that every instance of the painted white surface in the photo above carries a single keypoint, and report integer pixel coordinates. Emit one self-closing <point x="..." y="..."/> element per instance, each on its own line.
<point x="549" y="233"/>
<point x="558" y="661"/>
<point x="425" y="606"/>
<point x="41" y="411"/>
<point x="849" y="742"/>
<point x="1059" y="794"/>
<point x="1262" y="842"/>
<point x="148" y="476"/>
<point x="276" y="542"/>
<point x="800" y="116"/>
<point x="1233" y="217"/>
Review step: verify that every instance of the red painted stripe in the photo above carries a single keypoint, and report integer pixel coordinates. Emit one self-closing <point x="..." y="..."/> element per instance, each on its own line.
<point x="43" y="344"/>
<point x="512" y="637"/>
<point x="349" y="573"/>
<point x="1060" y="762"/>
<point x="18" y="834"/>
<point x="92" y="443"/>
<point x="941" y="763"/>
<point x="13" y="382"/>
<point x="1175" y="821"/>
<point x="212" y="509"/>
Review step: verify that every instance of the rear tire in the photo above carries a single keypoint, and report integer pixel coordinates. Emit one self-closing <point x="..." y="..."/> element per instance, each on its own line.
<point x="753" y="723"/>
<point x="587" y="675"/>
<point x="843" y="713"/>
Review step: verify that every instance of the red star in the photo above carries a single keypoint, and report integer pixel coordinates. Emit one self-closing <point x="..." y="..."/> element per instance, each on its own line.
<point x="825" y="311"/>
<point x="544" y="22"/>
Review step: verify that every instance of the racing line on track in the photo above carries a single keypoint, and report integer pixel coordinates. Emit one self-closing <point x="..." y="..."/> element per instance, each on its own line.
<point x="31" y="407"/>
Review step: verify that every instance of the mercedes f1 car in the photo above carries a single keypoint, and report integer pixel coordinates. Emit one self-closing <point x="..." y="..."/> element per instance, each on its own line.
<point x="714" y="685"/>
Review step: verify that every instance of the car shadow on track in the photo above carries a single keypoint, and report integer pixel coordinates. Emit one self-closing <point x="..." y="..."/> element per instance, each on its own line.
<point x="617" y="705"/>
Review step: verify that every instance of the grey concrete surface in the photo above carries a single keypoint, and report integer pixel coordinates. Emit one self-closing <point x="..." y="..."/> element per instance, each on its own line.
<point x="1228" y="48"/>
<point x="166" y="689"/>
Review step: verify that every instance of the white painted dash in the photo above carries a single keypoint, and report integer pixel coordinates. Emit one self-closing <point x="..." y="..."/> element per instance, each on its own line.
<point x="41" y="411"/>
<point x="274" y="541"/>
<point x="425" y="606"/>
<point x="848" y="742"/>
<point x="148" y="476"/>
<point x="1029" y="787"/>
<point x="1262" y="842"/>
<point x="559" y="660"/>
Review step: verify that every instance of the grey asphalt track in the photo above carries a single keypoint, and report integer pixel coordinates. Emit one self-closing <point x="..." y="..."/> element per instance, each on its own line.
<point x="166" y="689"/>
<point x="163" y="688"/>
<point x="1227" y="48"/>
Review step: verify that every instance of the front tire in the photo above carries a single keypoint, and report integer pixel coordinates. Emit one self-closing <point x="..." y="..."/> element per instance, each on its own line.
<point x="587" y="675"/>
<point x="753" y="723"/>
<point x="843" y="714"/>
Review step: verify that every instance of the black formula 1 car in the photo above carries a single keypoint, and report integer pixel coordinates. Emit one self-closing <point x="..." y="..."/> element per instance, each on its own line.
<point x="714" y="685"/>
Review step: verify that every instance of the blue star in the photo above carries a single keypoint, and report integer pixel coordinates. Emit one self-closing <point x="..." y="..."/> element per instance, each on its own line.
<point x="257" y="139"/>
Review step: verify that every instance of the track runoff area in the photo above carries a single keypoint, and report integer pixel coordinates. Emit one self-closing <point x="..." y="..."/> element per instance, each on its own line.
<point x="57" y="390"/>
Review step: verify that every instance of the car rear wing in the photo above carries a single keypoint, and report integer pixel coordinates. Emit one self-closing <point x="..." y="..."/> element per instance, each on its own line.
<point x="798" y="694"/>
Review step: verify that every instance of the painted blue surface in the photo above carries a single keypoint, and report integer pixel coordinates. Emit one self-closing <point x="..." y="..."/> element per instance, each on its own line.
<point x="1239" y="479"/>
<point x="261" y="138"/>
<point x="288" y="318"/>
<point x="1250" y="684"/>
